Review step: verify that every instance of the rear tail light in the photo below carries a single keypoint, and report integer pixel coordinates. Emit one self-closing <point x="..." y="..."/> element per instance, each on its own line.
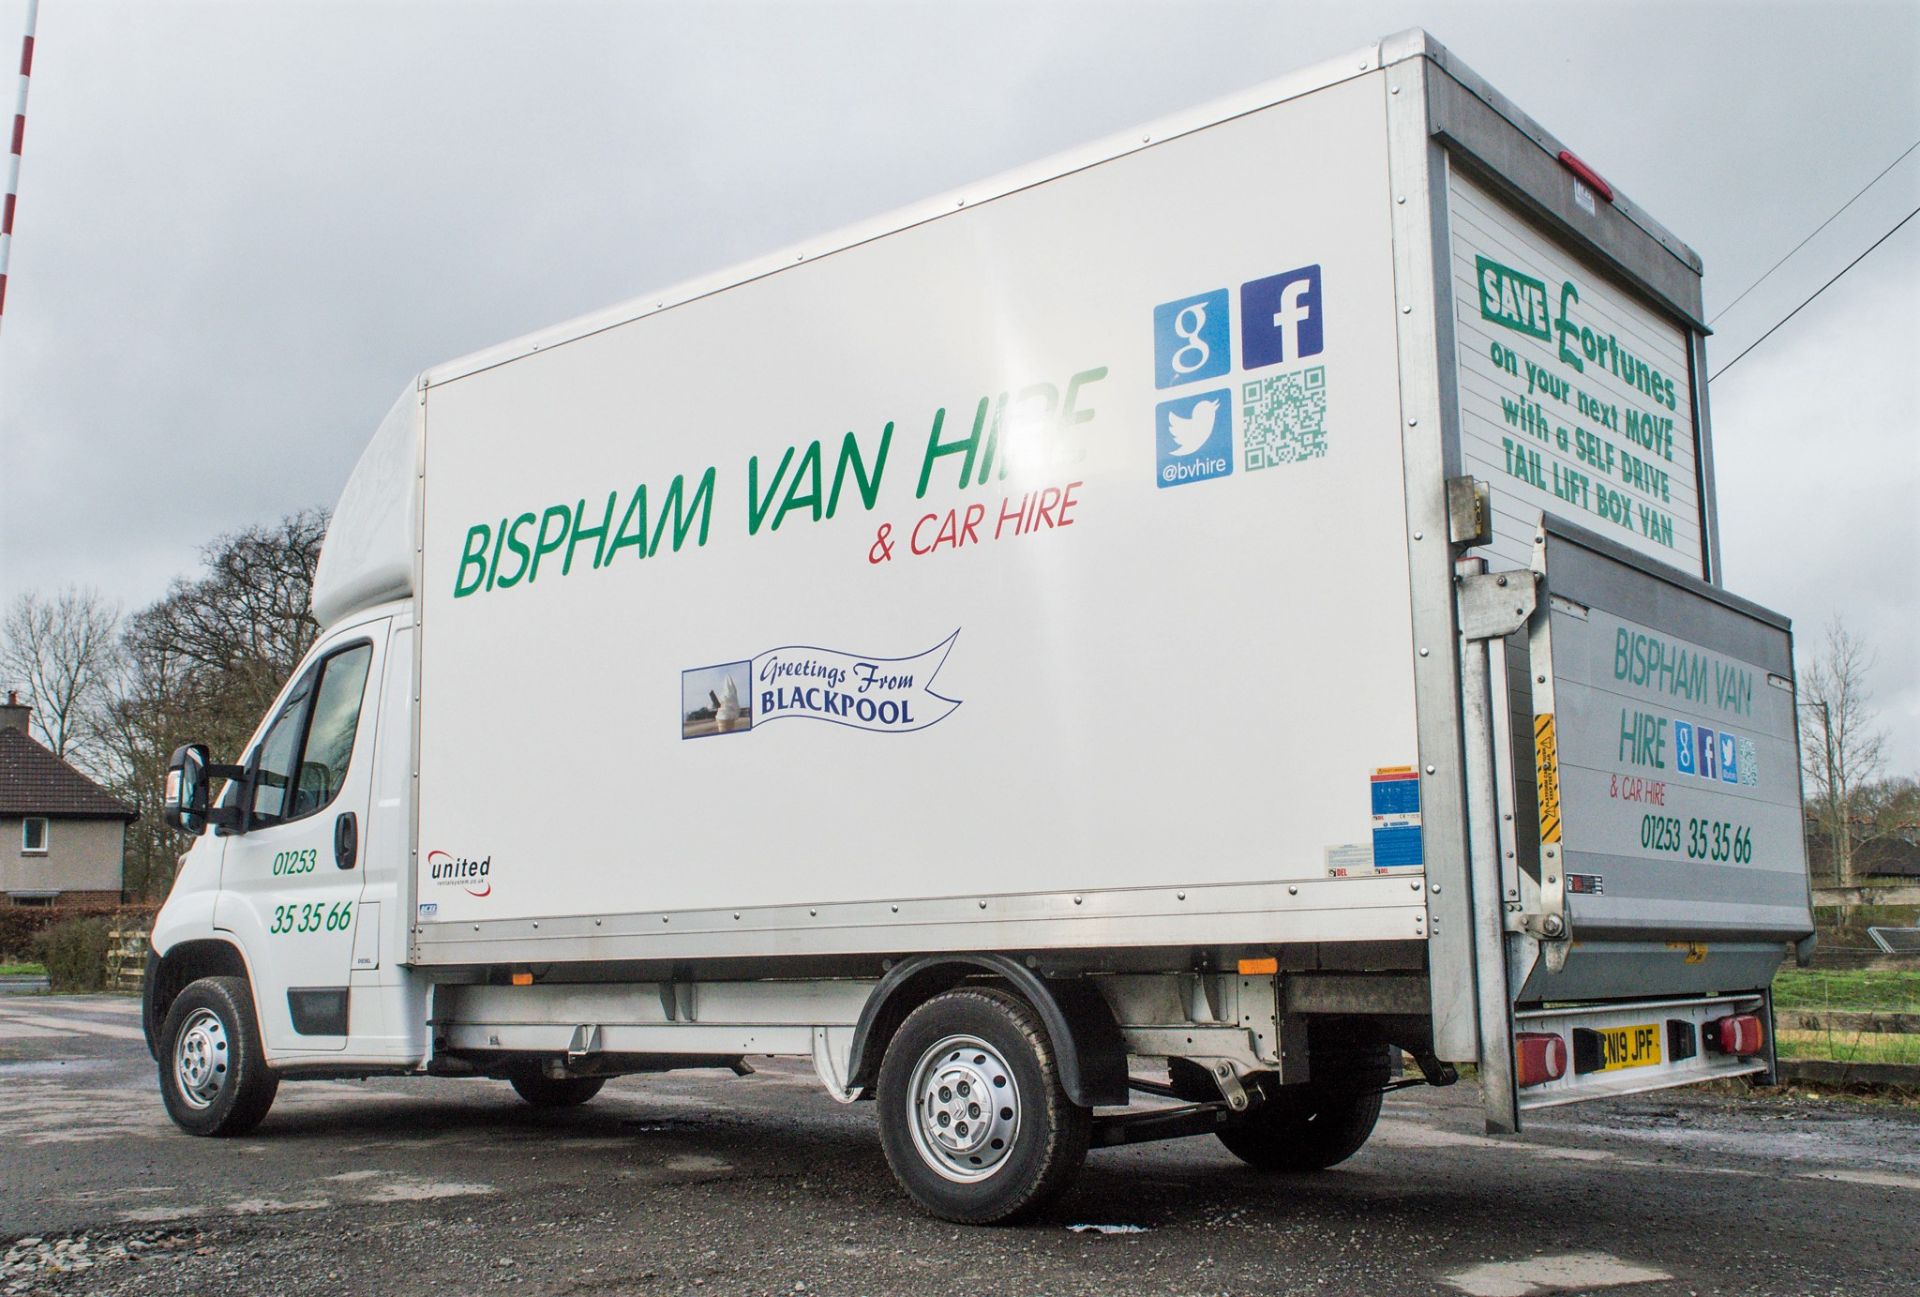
<point x="1539" y="1056"/>
<point x="1741" y="1035"/>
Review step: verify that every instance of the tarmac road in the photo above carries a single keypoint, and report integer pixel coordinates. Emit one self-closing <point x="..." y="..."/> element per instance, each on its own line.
<point x="702" y="1181"/>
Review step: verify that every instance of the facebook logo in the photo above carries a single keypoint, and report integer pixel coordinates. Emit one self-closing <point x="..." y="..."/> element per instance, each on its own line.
<point x="1280" y="318"/>
<point x="1709" y="753"/>
<point x="1191" y="339"/>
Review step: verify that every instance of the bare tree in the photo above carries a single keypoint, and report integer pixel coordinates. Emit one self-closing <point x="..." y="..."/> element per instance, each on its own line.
<point x="64" y="651"/>
<point x="1885" y="825"/>
<point x="1844" y="749"/>
<point x="203" y="663"/>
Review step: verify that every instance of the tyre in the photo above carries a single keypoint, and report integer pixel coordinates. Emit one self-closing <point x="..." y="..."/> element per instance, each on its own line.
<point x="1307" y="1132"/>
<point x="974" y="1122"/>
<point x="213" y="1073"/>
<point x="547" y="1092"/>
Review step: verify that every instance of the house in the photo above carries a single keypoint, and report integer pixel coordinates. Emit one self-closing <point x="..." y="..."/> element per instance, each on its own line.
<point x="62" y="836"/>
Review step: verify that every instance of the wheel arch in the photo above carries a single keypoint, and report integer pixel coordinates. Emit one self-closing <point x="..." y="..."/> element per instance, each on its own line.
<point x="1081" y="1027"/>
<point x="185" y="963"/>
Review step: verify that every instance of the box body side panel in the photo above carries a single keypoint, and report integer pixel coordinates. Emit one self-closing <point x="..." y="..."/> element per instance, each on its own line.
<point x="965" y="602"/>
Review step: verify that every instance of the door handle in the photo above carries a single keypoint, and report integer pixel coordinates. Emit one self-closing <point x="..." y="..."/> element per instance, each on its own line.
<point x="346" y="840"/>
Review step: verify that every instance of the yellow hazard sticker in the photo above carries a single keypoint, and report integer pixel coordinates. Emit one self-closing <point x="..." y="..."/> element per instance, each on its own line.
<point x="1546" y="767"/>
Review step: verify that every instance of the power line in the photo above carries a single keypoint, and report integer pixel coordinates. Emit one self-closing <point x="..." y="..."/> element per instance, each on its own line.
<point x="1809" y="239"/>
<point x="1816" y="292"/>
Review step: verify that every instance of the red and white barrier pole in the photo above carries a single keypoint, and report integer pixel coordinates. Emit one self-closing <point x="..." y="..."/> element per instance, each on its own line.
<point x="13" y="151"/>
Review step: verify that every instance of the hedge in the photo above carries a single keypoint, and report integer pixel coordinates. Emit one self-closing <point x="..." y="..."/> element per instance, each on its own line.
<point x="22" y="925"/>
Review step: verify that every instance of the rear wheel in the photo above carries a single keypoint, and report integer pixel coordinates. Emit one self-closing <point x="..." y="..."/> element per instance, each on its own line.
<point x="548" y="1092"/>
<point x="213" y="1073"/>
<point x="973" y="1118"/>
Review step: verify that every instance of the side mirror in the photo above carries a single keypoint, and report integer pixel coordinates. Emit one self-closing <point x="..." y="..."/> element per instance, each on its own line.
<point x="185" y="799"/>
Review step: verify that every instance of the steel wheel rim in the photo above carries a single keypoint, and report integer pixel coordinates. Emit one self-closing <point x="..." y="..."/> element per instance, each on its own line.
<point x="200" y="1059"/>
<point x="966" y="1109"/>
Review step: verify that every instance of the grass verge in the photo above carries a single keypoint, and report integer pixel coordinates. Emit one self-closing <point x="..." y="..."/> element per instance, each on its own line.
<point x="1890" y="990"/>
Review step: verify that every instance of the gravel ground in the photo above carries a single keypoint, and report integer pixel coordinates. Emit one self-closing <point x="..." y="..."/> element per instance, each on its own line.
<point x="701" y="1181"/>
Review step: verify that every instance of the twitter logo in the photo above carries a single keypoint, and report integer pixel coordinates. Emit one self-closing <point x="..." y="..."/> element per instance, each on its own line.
<point x="1195" y="438"/>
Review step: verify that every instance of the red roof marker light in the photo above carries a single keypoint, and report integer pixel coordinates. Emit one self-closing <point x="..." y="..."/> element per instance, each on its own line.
<point x="1587" y="175"/>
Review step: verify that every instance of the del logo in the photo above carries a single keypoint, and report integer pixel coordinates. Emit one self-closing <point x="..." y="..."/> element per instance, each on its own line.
<point x="475" y="877"/>
<point x="886" y="695"/>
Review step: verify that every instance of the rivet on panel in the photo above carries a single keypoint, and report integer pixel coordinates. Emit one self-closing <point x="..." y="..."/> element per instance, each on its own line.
<point x="1429" y="769"/>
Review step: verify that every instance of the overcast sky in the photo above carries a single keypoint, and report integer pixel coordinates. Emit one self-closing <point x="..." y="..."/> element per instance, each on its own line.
<point x="243" y="227"/>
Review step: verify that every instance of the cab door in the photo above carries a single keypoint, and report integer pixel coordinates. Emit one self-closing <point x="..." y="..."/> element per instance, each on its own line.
<point x="292" y="880"/>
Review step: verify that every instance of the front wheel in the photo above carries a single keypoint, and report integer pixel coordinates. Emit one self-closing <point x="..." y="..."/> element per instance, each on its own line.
<point x="973" y="1118"/>
<point x="213" y="1072"/>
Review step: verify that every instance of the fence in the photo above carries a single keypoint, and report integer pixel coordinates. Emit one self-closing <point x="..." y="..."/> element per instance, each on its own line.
<point x="126" y="959"/>
<point x="1855" y="1022"/>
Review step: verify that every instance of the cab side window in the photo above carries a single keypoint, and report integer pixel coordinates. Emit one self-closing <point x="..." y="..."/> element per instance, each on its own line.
<point x="279" y="756"/>
<point x="336" y="719"/>
<point x="302" y="761"/>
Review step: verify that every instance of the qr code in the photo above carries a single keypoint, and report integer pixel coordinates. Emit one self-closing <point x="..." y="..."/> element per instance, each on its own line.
<point x="1285" y="417"/>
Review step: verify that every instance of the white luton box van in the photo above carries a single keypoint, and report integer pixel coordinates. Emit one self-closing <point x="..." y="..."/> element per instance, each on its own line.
<point x="1117" y="652"/>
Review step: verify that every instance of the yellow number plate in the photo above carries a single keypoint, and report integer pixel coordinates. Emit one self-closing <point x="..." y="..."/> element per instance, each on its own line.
<point x="1624" y="1047"/>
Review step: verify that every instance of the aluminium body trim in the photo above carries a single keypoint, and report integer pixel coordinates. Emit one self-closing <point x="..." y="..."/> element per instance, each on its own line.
<point x="1430" y="441"/>
<point x="1703" y="472"/>
<point x="409" y="889"/>
<point x="1558" y="528"/>
<point x="1382" y="908"/>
